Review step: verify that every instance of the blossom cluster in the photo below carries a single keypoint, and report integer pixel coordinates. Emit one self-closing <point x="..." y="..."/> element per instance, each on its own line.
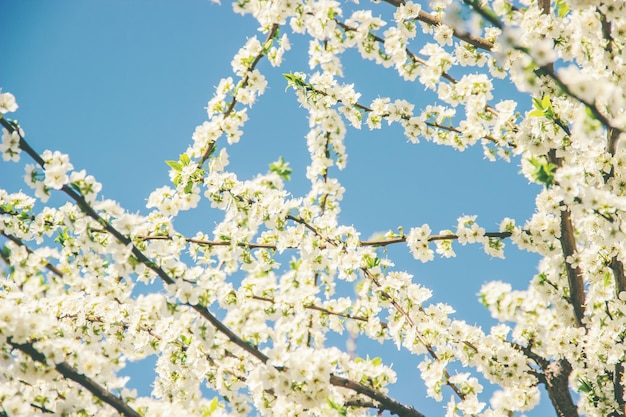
<point x="247" y="311"/>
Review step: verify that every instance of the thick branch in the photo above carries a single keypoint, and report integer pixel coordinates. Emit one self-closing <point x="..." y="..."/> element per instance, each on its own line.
<point x="618" y="272"/>
<point x="385" y="402"/>
<point x="574" y="274"/>
<point x="618" y="385"/>
<point x="617" y="267"/>
<point x="618" y="378"/>
<point x="72" y="373"/>
<point x="606" y="33"/>
<point x="557" y="374"/>
<point x="612" y="137"/>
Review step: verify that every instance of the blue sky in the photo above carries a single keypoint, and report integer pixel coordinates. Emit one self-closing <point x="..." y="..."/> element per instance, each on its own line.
<point x="121" y="85"/>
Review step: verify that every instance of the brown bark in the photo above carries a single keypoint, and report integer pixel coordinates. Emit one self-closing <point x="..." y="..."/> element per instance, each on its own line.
<point x="574" y="274"/>
<point x="557" y="374"/>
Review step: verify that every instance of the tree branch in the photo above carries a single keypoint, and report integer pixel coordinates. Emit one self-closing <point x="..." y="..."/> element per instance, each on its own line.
<point x="546" y="70"/>
<point x="411" y="55"/>
<point x="432" y="20"/>
<point x="244" y="82"/>
<point x="373" y="242"/>
<point x="367" y="109"/>
<point x="385" y="402"/>
<point x="322" y="310"/>
<point x="618" y="374"/>
<point x="206" y="242"/>
<point x="72" y="373"/>
<point x="574" y="274"/>
<point x="397" y="408"/>
<point x="431" y="238"/>
<point x="19" y="242"/>
<point x="557" y="385"/>
<point x="394" y="303"/>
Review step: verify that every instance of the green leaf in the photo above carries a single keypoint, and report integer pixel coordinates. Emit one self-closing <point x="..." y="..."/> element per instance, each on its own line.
<point x="543" y="108"/>
<point x="213" y="405"/>
<point x="5" y="251"/>
<point x="584" y="386"/>
<point x="268" y="44"/>
<point x="371" y="262"/>
<point x="62" y="236"/>
<point x="281" y="168"/>
<point x="495" y="243"/>
<point x="294" y="264"/>
<point x="483" y="299"/>
<point x="183" y="160"/>
<point x="562" y="8"/>
<point x="543" y="278"/>
<point x="297" y="82"/>
<point x="174" y="165"/>
<point x="544" y="171"/>
<point x="339" y="408"/>
<point x="293" y="79"/>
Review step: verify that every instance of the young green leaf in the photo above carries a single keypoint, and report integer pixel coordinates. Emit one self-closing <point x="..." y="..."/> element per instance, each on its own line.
<point x="175" y="165"/>
<point x="543" y="108"/>
<point x="281" y="168"/>
<point x="544" y="171"/>
<point x="337" y="407"/>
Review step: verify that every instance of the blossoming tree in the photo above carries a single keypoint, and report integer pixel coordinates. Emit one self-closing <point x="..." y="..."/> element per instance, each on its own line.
<point x="238" y="331"/>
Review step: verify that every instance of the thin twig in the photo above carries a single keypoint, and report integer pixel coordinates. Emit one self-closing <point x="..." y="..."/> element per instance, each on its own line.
<point x="430" y="124"/>
<point x="244" y="82"/>
<point x="322" y="310"/>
